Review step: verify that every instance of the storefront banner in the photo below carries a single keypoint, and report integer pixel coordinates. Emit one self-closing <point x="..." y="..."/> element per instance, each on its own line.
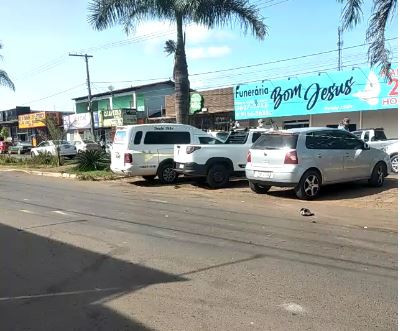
<point x="37" y="120"/>
<point x="358" y="89"/>
<point x="117" y="117"/>
<point x="80" y="121"/>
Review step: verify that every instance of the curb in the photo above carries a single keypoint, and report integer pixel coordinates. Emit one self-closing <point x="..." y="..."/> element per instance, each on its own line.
<point x="41" y="173"/>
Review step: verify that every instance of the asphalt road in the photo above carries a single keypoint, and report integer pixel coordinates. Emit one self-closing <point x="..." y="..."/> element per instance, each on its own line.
<point x="104" y="256"/>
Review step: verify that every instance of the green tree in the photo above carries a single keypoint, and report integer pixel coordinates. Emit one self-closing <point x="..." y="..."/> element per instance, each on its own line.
<point x="382" y="12"/>
<point x="4" y="133"/>
<point x="209" y="13"/>
<point x="56" y="133"/>
<point x="4" y="79"/>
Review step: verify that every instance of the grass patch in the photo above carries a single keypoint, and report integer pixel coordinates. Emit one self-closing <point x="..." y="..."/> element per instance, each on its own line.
<point x="93" y="175"/>
<point x="40" y="161"/>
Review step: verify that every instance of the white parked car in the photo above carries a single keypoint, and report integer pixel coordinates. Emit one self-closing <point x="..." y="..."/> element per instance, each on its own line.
<point x="147" y="149"/>
<point x="393" y="150"/>
<point x="309" y="158"/>
<point x="50" y="147"/>
<point x="86" y="145"/>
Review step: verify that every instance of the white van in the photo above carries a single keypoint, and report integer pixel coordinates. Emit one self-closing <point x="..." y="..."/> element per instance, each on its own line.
<point x="148" y="149"/>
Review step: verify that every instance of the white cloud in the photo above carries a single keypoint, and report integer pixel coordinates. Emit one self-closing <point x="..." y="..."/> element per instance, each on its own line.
<point x="196" y="53"/>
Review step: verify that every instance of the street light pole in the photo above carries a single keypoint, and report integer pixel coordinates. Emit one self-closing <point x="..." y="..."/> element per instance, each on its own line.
<point x="86" y="56"/>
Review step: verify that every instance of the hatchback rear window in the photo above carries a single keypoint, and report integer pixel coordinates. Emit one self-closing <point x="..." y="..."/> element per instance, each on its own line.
<point x="120" y="136"/>
<point x="276" y="141"/>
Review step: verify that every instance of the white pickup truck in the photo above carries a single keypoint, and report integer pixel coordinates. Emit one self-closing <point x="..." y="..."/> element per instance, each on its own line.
<point x="376" y="138"/>
<point x="218" y="162"/>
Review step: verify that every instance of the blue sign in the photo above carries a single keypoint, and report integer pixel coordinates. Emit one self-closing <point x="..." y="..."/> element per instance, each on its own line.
<point x="359" y="89"/>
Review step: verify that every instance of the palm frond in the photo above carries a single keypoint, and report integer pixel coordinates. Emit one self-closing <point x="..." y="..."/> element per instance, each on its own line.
<point x="170" y="47"/>
<point x="6" y="81"/>
<point x="352" y="13"/>
<point x="213" y="13"/>
<point x="106" y="13"/>
<point x="378" y="54"/>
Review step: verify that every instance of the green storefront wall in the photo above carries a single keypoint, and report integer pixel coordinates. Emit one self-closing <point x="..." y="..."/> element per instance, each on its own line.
<point x="123" y="101"/>
<point x="82" y="107"/>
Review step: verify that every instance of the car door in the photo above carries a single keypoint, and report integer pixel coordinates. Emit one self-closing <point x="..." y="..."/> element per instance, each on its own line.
<point x="41" y="148"/>
<point x="357" y="159"/>
<point x="325" y="153"/>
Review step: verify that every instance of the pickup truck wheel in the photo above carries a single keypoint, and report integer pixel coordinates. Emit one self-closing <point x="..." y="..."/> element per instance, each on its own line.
<point x="149" y="178"/>
<point x="394" y="163"/>
<point x="259" y="189"/>
<point x="378" y="175"/>
<point x="309" y="186"/>
<point x="217" y="176"/>
<point x="166" y="173"/>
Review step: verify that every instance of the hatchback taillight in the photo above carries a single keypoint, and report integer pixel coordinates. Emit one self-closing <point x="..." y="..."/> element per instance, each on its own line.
<point x="248" y="157"/>
<point x="291" y="158"/>
<point x="128" y="158"/>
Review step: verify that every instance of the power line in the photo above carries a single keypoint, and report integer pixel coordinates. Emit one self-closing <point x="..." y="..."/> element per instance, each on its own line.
<point x="282" y="60"/>
<point x="55" y="94"/>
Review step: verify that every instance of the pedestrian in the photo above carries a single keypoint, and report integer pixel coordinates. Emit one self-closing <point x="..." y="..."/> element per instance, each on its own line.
<point x="345" y="124"/>
<point x="102" y="144"/>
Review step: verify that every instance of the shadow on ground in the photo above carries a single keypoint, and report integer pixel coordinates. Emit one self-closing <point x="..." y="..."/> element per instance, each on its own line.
<point x="342" y="191"/>
<point x="331" y="192"/>
<point x="48" y="285"/>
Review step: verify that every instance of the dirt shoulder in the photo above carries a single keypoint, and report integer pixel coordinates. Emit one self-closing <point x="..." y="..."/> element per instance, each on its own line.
<point x="352" y="204"/>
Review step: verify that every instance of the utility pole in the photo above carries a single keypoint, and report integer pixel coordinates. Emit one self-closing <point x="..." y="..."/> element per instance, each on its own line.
<point x="89" y="92"/>
<point x="340" y="45"/>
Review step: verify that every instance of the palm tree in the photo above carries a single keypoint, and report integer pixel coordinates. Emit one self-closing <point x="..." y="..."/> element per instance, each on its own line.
<point x="209" y="13"/>
<point x="4" y="79"/>
<point x="170" y="48"/>
<point x="382" y="12"/>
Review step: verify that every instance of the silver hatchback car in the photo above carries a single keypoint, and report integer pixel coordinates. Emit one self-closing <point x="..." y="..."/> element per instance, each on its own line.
<point x="308" y="158"/>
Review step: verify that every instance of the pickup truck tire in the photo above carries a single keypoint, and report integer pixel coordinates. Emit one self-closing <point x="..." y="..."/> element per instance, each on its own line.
<point x="394" y="163"/>
<point x="166" y="173"/>
<point x="217" y="176"/>
<point x="258" y="188"/>
<point x="378" y="175"/>
<point x="149" y="178"/>
<point x="309" y="186"/>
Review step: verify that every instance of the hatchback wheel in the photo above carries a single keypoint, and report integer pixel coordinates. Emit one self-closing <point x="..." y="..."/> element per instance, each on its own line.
<point x="258" y="188"/>
<point x="167" y="174"/>
<point x="378" y="175"/>
<point x="394" y="163"/>
<point x="309" y="186"/>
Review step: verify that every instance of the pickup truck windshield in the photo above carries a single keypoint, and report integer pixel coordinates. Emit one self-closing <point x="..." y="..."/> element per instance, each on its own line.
<point x="276" y="141"/>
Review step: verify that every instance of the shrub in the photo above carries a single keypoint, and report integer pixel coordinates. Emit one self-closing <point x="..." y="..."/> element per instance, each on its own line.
<point x="43" y="159"/>
<point x="93" y="160"/>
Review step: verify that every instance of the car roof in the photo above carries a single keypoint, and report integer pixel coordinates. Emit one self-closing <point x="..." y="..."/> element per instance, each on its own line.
<point x="309" y="129"/>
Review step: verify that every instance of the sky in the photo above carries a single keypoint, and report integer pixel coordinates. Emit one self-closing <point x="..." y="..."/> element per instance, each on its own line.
<point x="37" y="37"/>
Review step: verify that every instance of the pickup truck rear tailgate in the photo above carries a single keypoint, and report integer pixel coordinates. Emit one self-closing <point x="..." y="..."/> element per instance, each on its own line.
<point x="181" y="155"/>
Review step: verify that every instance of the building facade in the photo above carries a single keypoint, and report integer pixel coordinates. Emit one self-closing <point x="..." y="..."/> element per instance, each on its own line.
<point x="209" y="110"/>
<point x="9" y="120"/>
<point x="122" y="107"/>
<point x="360" y="94"/>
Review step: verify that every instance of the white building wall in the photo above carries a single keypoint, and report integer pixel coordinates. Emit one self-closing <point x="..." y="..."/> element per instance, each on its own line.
<point x="387" y="119"/>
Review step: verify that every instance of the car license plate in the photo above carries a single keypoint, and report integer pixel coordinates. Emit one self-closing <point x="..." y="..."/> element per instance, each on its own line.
<point x="181" y="166"/>
<point x="263" y="174"/>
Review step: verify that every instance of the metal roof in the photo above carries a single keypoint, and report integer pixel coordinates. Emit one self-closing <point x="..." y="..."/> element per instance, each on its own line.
<point x="124" y="90"/>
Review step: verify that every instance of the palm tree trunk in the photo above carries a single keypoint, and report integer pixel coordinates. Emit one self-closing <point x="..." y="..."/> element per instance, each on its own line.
<point x="182" y="84"/>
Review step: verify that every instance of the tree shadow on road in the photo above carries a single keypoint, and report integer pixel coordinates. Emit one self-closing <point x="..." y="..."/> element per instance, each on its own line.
<point x="49" y="285"/>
